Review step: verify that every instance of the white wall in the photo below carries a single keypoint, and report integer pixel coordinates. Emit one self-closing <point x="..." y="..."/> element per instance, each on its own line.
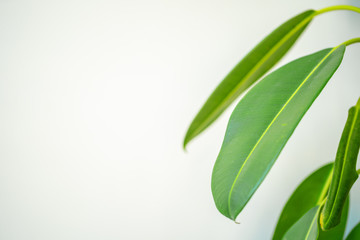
<point x="96" y="96"/>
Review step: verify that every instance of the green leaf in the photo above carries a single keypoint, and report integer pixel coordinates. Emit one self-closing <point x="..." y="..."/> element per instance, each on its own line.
<point x="355" y="233"/>
<point x="262" y="123"/>
<point x="345" y="173"/>
<point x="253" y="66"/>
<point x="310" y="193"/>
<point x="306" y="228"/>
<point x="337" y="232"/>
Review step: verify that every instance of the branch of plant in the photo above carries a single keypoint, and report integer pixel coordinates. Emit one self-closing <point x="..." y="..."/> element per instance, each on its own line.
<point x="338" y="7"/>
<point x="351" y="41"/>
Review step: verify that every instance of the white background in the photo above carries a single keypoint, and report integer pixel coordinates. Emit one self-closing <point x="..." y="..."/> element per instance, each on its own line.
<point x="95" y="99"/>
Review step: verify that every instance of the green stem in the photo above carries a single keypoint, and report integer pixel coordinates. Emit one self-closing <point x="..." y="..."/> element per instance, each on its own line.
<point x="348" y="42"/>
<point x="358" y="171"/>
<point x="338" y="7"/>
<point x="351" y="41"/>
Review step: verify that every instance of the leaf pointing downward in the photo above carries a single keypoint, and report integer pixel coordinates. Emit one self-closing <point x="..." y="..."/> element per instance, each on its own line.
<point x="337" y="232"/>
<point x="262" y="123"/>
<point x="345" y="173"/>
<point x="254" y="65"/>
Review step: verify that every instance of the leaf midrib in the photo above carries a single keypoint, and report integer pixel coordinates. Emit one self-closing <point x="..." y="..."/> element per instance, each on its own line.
<point x="311" y="225"/>
<point x="326" y="187"/>
<point x="274" y="119"/>
<point x="253" y="69"/>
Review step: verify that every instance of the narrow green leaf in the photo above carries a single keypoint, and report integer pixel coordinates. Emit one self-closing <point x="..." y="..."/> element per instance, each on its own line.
<point x="253" y="66"/>
<point x="306" y="228"/>
<point x="355" y="233"/>
<point x="262" y="123"/>
<point x="337" y="232"/>
<point x="310" y="193"/>
<point x="345" y="173"/>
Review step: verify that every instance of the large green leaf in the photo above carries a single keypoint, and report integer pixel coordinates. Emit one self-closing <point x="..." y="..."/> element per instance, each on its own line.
<point x="253" y="66"/>
<point x="306" y="228"/>
<point x="310" y="193"/>
<point x="345" y="173"/>
<point x="355" y="233"/>
<point x="262" y="123"/>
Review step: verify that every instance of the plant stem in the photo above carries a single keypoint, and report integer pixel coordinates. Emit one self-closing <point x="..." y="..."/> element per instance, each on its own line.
<point x="358" y="171"/>
<point x="338" y="7"/>
<point x="351" y="41"/>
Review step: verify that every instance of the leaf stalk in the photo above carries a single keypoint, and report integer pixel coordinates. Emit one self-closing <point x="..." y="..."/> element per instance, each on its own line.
<point x="351" y="41"/>
<point x="337" y="7"/>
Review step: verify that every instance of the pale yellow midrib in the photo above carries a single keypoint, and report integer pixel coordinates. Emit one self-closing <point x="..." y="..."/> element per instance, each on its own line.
<point x="312" y="223"/>
<point x="248" y="75"/>
<point x="326" y="187"/>
<point x="274" y="119"/>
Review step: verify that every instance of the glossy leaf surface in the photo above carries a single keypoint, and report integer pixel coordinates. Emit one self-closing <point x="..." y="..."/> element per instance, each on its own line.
<point x="262" y="123"/>
<point x="345" y="173"/>
<point x="355" y="233"/>
<point x="306" y="228"/>
<point x="310" y="193"/>
<point x="253" y="66"/>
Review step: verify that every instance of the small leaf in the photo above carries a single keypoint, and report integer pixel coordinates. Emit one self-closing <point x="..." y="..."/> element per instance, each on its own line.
<point x="355" y="233"/>
<point x="310" y="193"/>
<point x="262" y="123"/>
<point x="306" y="228"/>
<point x="345" y="173"/>
<point x="253" y="66"/>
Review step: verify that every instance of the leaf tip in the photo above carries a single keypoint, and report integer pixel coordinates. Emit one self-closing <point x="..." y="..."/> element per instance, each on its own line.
<point x="188" y="137"/>
<point x="186" y="141"/>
